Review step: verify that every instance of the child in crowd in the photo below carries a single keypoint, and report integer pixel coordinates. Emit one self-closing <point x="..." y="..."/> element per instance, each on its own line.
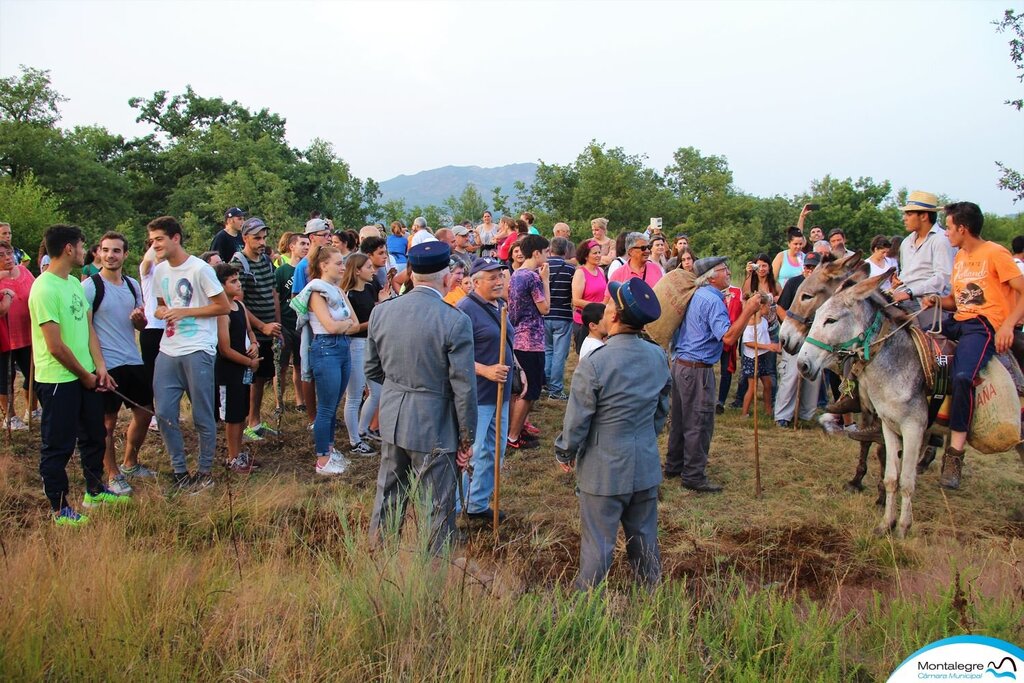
<point x="756" y="340"/>
<point x="237" y="359"/>
<point x="593" y="321"/>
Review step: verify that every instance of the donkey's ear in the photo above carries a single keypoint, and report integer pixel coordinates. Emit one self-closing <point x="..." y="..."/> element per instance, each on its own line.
<point x="865" y="288"/>
<point x="852" y="261"/>
<point x="843" y="267"/>
<point x="859" y="274"/>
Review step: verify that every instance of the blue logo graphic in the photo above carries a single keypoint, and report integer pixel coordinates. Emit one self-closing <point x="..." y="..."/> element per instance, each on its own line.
<point x="994" y="669"/>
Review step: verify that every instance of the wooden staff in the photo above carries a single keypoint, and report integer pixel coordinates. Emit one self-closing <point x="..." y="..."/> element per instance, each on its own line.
<point x="497" y="423"/>
<point x="31" y="387"/>
<point x="799" y="390"/>
<point x="757" y="381"/>
<point x="10" y="397"/>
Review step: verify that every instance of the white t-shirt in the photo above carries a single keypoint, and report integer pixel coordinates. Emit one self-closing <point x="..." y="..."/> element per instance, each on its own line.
<point x="589" y="344"/>
<point x="190" y="285"/>
<point x="149" y="300"/>
<point x="421" y="237"/>
<point x="762" y="338"/>
<point x="616" y="263"/>
<point x="337" y="306"/>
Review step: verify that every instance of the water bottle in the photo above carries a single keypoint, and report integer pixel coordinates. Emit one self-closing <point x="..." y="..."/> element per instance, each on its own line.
<point x="247" y="376"/>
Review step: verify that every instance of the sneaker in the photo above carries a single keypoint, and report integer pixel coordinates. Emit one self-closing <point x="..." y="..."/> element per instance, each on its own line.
<point x="182" y="480"/>
<point x="137" y="472"/>
<point x="35" y="416"/>
<point x="68" y="517"/>
<point x="336" y="464"/>
<point x="719" y="409"/>
<point x="530" y="429"/>
<point x="362" y="448"/>
<point x="372" y="435"/>
<point x="242" y="464"/>
<point x="154" y="426"/>
<point x="104" y="497"/>
<point x="250" y="434"/>
<point x="15" y="424"/>
<point x="559" y="396"/>
<point x="523" y="443"/>
<point x="199" y="482"/>
<point x="118" y="485"/>
<point x="783" y="424"/>
<point x="263" y="429"/>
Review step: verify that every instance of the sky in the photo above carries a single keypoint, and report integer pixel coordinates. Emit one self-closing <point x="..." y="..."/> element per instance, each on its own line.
<point x="910" y="92"/>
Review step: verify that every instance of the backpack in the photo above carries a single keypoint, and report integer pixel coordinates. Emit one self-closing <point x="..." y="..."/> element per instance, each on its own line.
<point x="243" y="262"/>
<point x="100" y="286"/>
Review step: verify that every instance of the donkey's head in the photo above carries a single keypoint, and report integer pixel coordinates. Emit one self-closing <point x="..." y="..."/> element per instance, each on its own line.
<point x="843" y="324"/>
<point x="815" y="290"/>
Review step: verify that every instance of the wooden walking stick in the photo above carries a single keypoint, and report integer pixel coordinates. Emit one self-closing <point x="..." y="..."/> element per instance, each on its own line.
<point x="10" y="397"/>
<point x="497" y="422"/>
<point x="799" y="389"/>
<point x="757" y="452"/>
<point x="31" y="387"/>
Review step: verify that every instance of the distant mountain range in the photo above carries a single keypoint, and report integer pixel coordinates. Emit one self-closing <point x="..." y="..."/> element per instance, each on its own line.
<point x="436" y="185"/>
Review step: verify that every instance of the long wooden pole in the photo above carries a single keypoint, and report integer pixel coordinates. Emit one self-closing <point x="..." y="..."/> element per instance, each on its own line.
<point x="31" y="387"/>
<point x="757" y="390"/>
<point x="497" y="423"/>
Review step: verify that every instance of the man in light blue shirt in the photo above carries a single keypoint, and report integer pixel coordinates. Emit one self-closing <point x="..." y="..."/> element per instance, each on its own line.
<point x="696" y="348"/>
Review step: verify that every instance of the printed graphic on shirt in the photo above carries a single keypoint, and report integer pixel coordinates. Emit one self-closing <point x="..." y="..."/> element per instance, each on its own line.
<point x="181" y="297"/>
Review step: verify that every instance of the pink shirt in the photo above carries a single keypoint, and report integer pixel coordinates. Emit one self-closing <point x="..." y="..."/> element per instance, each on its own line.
<point x="16" y="327"/>
<point x="595" y="289"/>
<point x="650" y="274"/>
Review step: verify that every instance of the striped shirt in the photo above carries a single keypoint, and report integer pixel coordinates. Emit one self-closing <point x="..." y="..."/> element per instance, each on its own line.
<point x="560" y="282"/>
<point x="258" y="289"/>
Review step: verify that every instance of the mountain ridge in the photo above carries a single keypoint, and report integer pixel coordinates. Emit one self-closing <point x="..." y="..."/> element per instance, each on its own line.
<point x="433" y="186"/>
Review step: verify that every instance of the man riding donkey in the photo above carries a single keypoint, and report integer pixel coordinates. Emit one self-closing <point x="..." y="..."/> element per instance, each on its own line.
<point x="987" y="289"/>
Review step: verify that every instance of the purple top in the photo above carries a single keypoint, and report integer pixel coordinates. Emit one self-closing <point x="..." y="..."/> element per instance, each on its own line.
<point x="524" y="291"/>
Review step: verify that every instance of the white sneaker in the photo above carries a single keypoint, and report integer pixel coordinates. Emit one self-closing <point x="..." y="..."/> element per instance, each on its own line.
<point x="336" y="464"/>
<point x="15" y="424"/>
<point x="154" y="426"/>
<point x="119" y="485"/>
<point x="36" y="416"/>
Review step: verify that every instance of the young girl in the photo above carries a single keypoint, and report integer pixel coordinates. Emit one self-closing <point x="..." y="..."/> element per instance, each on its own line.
<point x="237" y="353"/>
<point x="363" y="294"/>
<point x="765" y="350"/>
<point x="331" y="322"/>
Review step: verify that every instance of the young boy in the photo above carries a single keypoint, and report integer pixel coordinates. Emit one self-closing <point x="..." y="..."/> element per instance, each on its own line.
<point x="238" y="353"/>
<point x="593" y="320"/>
<point x="70" y="373"/>
<point x="756" y="341"/>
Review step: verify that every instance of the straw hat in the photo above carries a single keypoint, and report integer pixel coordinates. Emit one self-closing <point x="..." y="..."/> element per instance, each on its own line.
<point x="921" y="201"/>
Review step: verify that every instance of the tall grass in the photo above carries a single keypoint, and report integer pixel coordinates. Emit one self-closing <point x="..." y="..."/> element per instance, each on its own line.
<point x="158" y="592"/>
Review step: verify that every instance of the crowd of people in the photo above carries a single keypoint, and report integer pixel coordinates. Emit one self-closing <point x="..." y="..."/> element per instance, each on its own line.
<point x="494" y="311"/>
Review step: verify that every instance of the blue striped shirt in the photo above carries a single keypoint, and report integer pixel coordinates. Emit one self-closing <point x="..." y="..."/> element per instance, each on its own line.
<point x="699" y="338"/>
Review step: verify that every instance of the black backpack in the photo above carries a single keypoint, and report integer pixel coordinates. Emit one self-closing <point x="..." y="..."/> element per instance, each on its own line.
<point x="100" y="286"/>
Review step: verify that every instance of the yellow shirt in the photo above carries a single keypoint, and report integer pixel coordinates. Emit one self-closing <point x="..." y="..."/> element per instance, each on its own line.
<point x="455" y="296"/>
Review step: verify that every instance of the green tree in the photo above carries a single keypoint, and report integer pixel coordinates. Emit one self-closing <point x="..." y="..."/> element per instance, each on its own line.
<point x="468" y="206"/>
<point x="1014" y="23"/>
<point x="30" y="209"/>
<point x="862" y="208"/>
<point x="29" y="98"/>
<point x="499" y="203"/>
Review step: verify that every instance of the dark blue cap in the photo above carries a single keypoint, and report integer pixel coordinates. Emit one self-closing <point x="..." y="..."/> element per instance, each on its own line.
<point x="636" y="302"/>
<point x="486" y="263"/>
<point x="233" y="212"/>
<point x="429" y="257"/>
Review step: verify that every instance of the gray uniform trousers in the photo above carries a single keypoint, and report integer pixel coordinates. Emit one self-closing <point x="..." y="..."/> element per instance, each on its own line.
<point x="693" y="423"/>
<point x="433" y="476"/>
<point x="789" y="382"/>
<point x="600" y="517"/>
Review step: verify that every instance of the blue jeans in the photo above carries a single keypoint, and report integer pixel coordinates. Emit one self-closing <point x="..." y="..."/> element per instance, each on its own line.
<point x="329" y="360"/>
<point x="355" y="422"/>
<point x="173" y="377"/>
<point x="975" y="344"/>
<point x="557" y="335"/>
<point x="479" y="490"/>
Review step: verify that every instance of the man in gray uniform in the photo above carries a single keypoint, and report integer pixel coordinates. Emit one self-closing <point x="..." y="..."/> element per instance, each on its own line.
<point x="421" y="350"/>
<point x="617" y="406"/>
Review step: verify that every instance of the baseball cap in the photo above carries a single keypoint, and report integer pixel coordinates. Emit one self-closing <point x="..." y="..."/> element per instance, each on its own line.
<point x="460" y="231"/>
<point x="314" y="225"/>
<point x="253" y="225"/>
<point x="233" y="212"/>
<point x="484" y="264"/>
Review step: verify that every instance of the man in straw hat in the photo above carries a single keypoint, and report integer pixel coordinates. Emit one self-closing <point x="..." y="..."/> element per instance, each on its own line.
<point x="696" y="348"/>
<point x="617" y="407"/>
<point x="926" y="257"/>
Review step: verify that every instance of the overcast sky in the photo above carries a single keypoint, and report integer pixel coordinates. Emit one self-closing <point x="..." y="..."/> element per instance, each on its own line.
<point x="912" y="92"/>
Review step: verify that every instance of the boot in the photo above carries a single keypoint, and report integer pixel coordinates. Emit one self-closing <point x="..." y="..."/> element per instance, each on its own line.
<point x="845" y="404"/>
<point x="952" y="466"/>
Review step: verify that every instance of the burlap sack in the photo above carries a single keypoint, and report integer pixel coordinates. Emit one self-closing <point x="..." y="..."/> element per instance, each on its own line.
<point x="674" y="292"/>
<point x="996" y="424"/>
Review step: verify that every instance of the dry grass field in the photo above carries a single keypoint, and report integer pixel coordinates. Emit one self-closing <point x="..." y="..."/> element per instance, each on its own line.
<point x="270" y="577"/>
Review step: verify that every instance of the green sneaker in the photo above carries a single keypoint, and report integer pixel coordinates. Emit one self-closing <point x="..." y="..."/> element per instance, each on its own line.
<point x="104" y="497"/>
<point x="263" y="429"/>
<point x="250" y="434"/>
<point x="68" y="517"/>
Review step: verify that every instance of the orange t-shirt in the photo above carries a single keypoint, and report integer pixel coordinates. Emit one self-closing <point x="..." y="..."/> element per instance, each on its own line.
<point x="980" y="283"/>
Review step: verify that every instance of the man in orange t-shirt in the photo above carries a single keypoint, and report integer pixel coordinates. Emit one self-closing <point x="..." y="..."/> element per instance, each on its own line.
<point x="988" y="304"/>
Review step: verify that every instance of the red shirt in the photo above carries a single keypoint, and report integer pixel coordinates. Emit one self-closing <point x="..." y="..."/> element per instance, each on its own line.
<point x="16" y="327"/>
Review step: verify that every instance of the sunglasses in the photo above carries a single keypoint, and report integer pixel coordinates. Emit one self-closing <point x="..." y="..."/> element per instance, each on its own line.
<point x="644" y="248"/>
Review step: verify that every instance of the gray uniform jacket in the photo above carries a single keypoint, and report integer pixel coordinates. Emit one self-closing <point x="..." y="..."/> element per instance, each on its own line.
<point x="421" y="350"/>
<point x="617" y="407"/>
